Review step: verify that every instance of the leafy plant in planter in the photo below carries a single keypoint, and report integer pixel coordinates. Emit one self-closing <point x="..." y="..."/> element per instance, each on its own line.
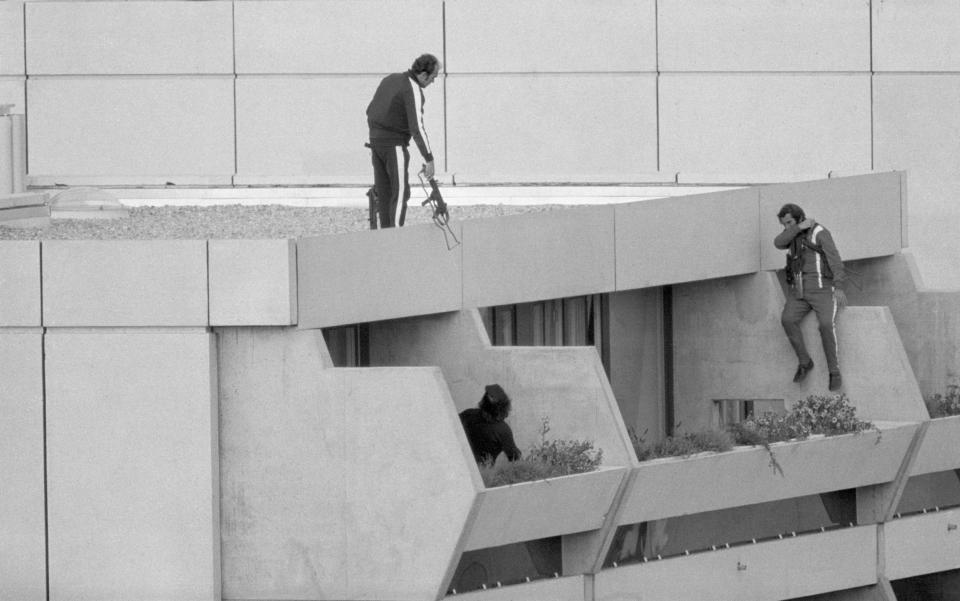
<point x="945" y="405"/>
<point x="817" y="414"/>
<point x="829" y="415"/>
<point x="768" y="427"/>
<point x="682" y="444"/>
<point x="546" y="459"/>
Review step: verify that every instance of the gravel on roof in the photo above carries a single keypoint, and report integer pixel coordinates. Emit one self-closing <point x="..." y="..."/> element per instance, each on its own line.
<point x="238" y="221"/>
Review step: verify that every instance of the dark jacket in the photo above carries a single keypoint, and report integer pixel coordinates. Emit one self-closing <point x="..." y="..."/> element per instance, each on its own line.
<point x="487" y="437"/>
<point x="813" y="261"/>
<point x="396" y="113"/>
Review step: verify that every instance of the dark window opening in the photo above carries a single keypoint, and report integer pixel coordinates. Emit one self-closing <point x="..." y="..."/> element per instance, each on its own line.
<point x="724" y="528"/>
<point x="508" y="564"/>
<point x="349" y="346"/>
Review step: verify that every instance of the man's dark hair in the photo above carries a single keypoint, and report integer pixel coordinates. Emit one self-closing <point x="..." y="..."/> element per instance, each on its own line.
<point x="425" y="63"/>
<point x="495" y="403"/>
<point x="792" y="209"/>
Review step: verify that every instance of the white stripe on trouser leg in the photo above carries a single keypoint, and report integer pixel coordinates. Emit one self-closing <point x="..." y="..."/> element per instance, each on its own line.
<point x="833" y="327"/>
<point x="398" y="191"/>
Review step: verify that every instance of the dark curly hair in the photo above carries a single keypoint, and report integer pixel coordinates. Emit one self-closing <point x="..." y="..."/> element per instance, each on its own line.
<point x="495" y="404"/>
<point x="425" y="63"/>
<point x="792" y="209"/>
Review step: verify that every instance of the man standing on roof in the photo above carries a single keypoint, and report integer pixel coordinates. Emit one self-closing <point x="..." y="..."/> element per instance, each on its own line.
<point x="395" y="115"/>
<point x="815" y="273"/>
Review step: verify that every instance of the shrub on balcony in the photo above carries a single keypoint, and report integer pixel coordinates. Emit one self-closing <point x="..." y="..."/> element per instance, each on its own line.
<point x="682" y="444"/>
<point x="945" y="405"/>
<point x="546" y="459"/>
<point x="816" y="414"/>
<point x="768" y="427"/>
<point x="829" y="415"/>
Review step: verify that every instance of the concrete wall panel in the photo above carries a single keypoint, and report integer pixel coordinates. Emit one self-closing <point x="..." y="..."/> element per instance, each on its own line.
<point x="366" y="276"/>
<point x="172" y="128"/>
<point x="924" y="318"/>
<point x="11" y="38"/>
<point x="327" y="490"/>
<point x="565" y="385"/>
<point x="550" y="36"/>
<point x="938" y="451"/>
<point x="916" y="124"/>
<point x="19" y="283"/>
<point x="754" y="35"/>
<point x="730" y="344"/>
<point x="125" y="283"/>
<point x="23" y="552"/>
<point x="132" y="475"/>
<point x="253" y="282"/>
<point x="922" y="544"/>
<point x="129" y="38"/>
<point x="538" y="256"/>
<point x="565" y="127"/>
<point x="13" y="91"/>
<point x="780" y="569"/>
<point x="315" y="126"/>
<point x="865" y="215"/>
<point x="916" y="36"/>
<point x="764" y="126"/>
<point x="917" y="128"/>
<point x="336" y="36"/>
<point x="282" y="443"/>
<point x="671" y="240"/>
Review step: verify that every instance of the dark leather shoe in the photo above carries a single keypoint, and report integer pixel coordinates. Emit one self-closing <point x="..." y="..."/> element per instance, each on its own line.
<point x="802" y="371"/>
<point x="835" y="381"/>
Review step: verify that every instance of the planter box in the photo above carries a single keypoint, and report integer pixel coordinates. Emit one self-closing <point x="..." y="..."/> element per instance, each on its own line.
<point x="543" y="508"/>
<point x="672" y="487"/>
<point x="922" y="544"/>
<point x="939" y="450"/>
<point x="781" y="569"/>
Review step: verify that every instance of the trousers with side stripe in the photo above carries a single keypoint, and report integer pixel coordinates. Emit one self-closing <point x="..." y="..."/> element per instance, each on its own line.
<point x="391" y="181"/>
<point x="822" y="302"/>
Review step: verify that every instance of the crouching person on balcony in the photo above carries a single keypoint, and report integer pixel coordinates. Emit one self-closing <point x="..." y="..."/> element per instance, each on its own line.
<point x="815" y="273"/>
<point x="486" y="430"/>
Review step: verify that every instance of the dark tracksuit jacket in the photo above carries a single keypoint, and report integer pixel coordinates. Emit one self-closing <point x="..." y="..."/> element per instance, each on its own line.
<point x="394" y="115"/>
<point x="812" y="284"/>
<point x="488" y="438"/>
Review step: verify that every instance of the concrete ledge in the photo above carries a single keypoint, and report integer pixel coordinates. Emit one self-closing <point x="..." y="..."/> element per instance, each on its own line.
<point x="253" y="282"/>
<point x="922" y="544"/>
<point x="23" y="199"/>
<point x="840" y="559"/>
<point x="571" y="588"/>
<point x="19" y="283"/>
<point x="667" y="241"/>
<point x="25" y="216"/>
<point x="863" y="212"/>
<point x="125" y="283"/>
<point x="368" y="276"/>
<point x="538" y="256"/>
<point x="749" y="477"/>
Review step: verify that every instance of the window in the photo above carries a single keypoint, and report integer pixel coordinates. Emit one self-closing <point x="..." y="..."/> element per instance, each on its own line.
<point x="349" y="346"/>
<point x="573" y="321"/>
<point x="733" y="411"/>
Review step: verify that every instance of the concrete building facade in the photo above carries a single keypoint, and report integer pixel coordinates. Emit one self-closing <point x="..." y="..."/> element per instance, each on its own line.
<point x="179" y="437"/>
